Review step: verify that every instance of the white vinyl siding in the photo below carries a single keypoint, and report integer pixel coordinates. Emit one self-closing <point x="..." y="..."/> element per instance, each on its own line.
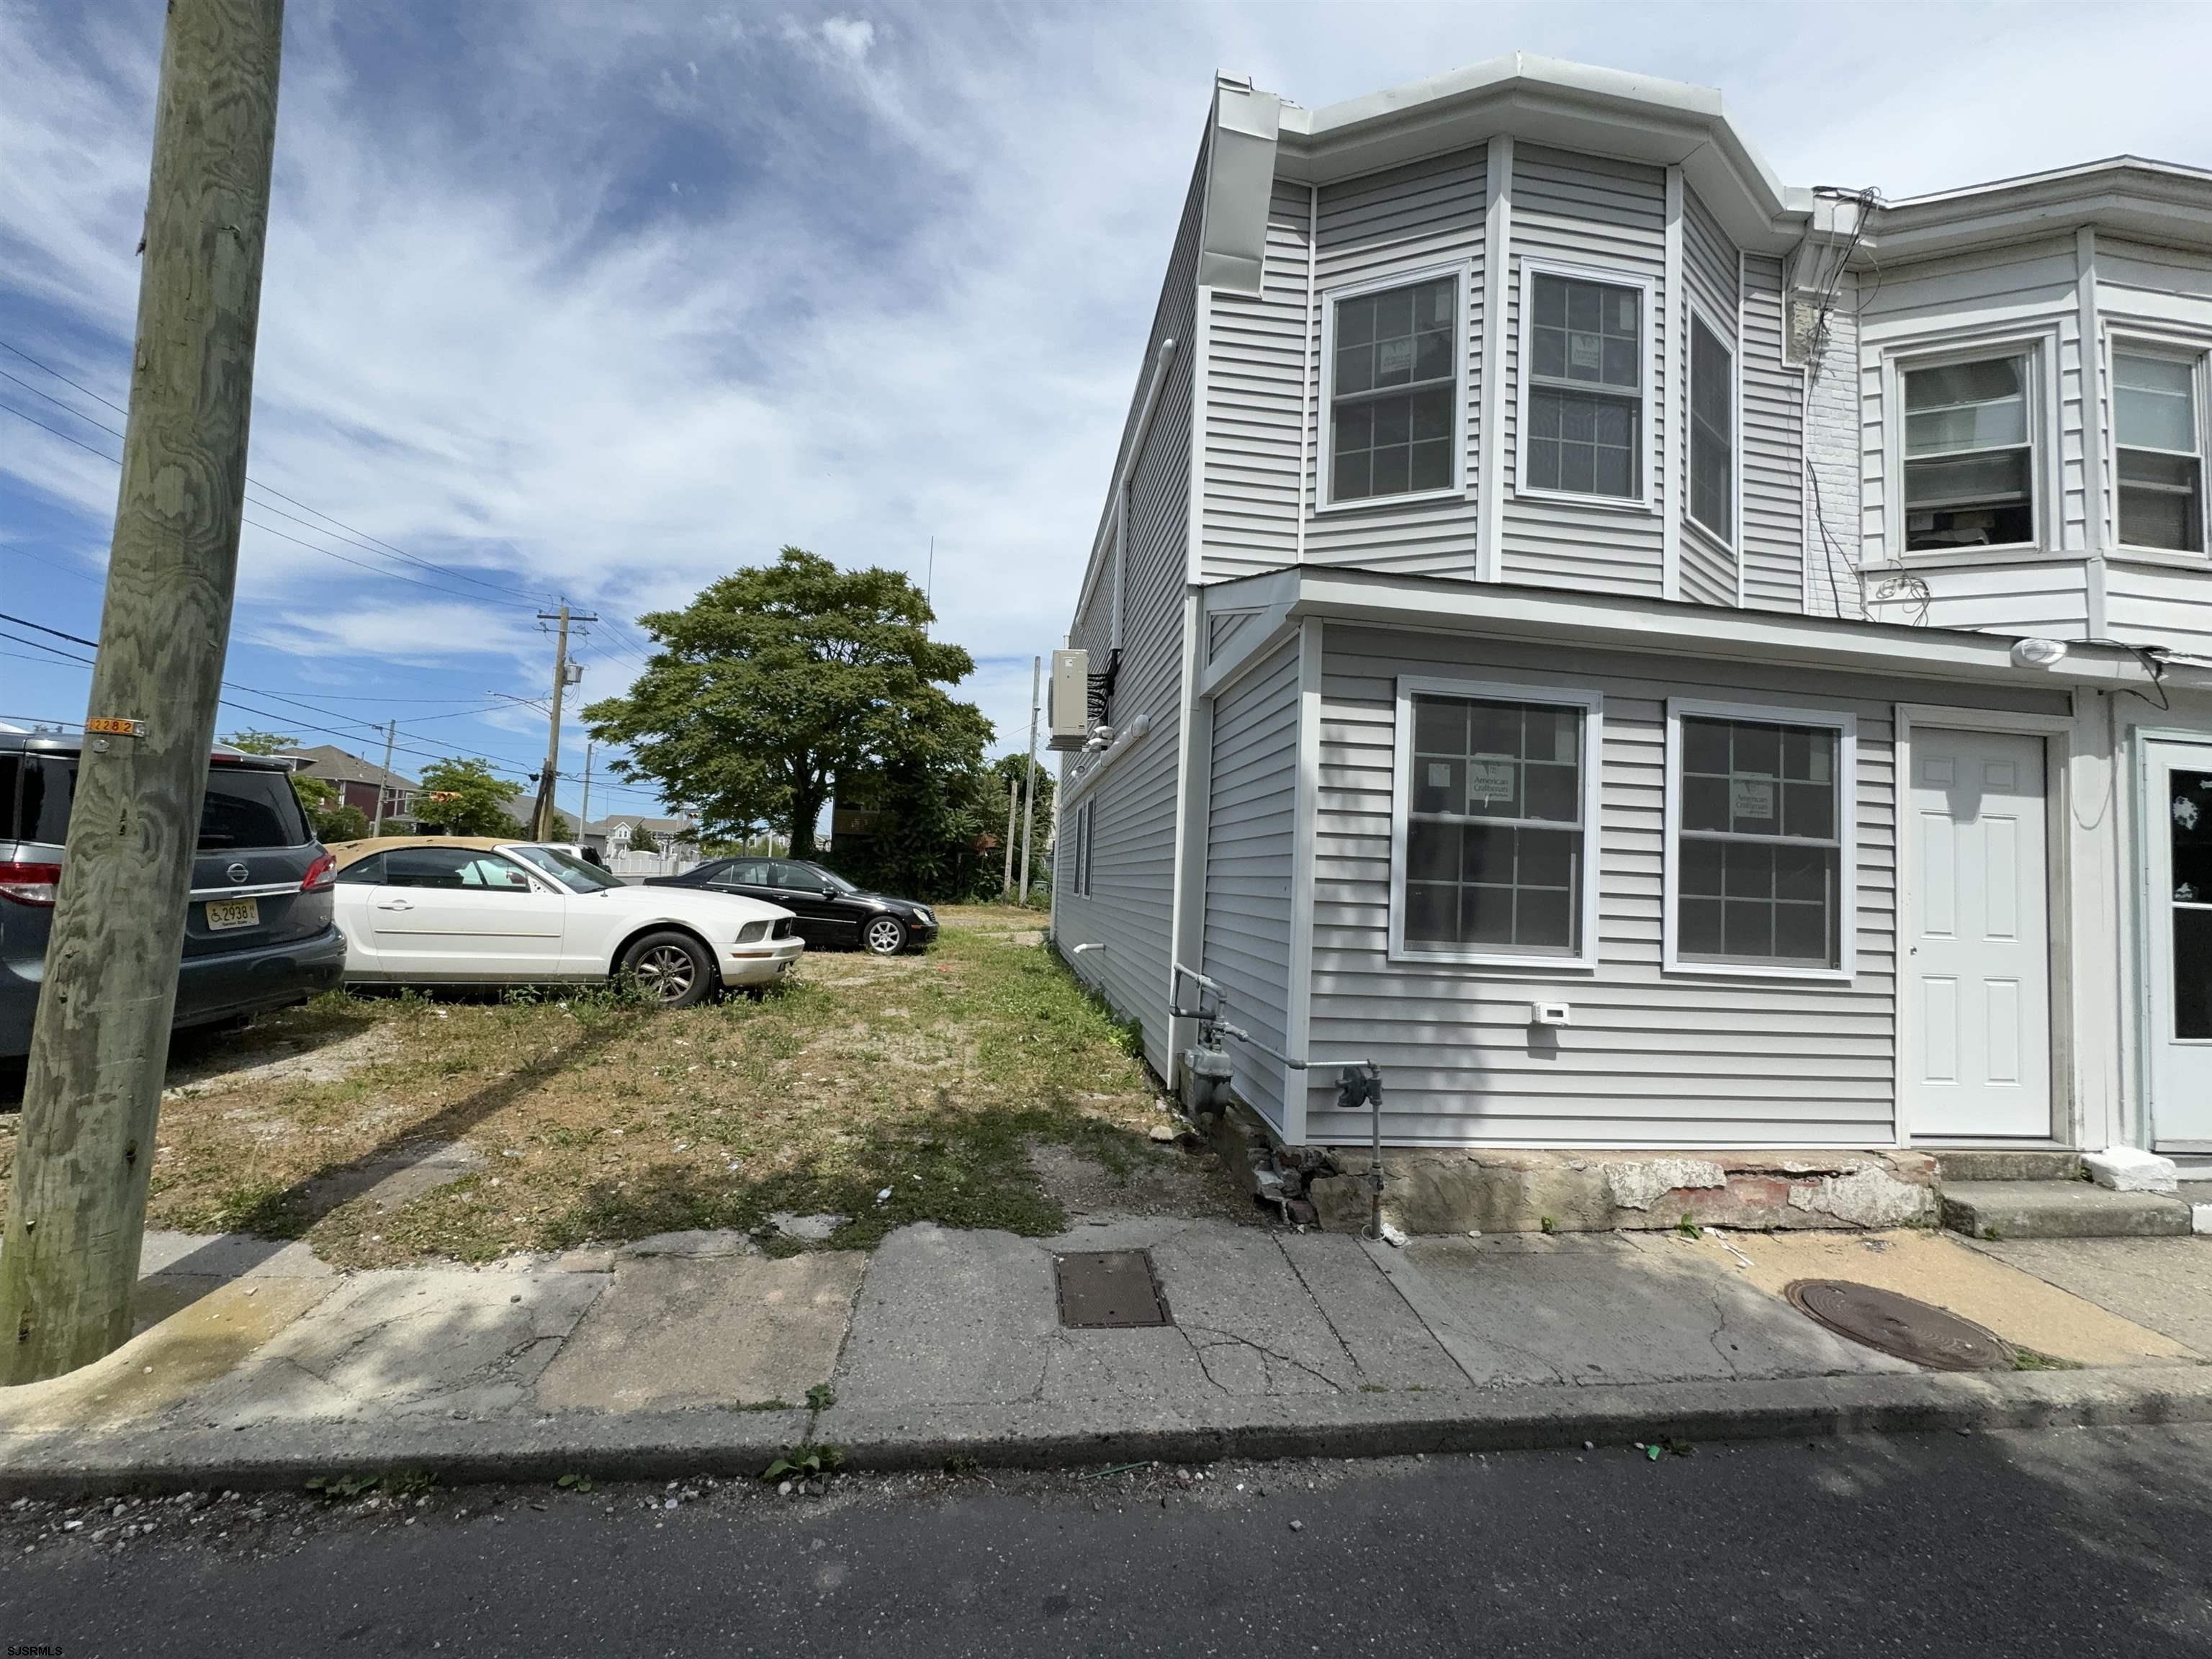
<point x="1779" y="453"/>
<point x="1410" y="221"/>
<point x="1651" y="1058"/>
<point x="1605" y="220"/>
<point x="1250" y="841"/>
<point x="1130" y="869"/>
<point x="1258" y="355"/>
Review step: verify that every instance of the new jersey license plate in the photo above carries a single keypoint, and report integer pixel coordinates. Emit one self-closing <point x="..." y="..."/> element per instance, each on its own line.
<point x="226" y="913"/>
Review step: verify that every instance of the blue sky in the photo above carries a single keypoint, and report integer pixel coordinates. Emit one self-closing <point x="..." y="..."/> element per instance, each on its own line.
<point x="603" y="300"/>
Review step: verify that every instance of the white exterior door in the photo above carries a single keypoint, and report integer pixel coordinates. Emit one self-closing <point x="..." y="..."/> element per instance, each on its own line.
<point x="2177" y="820"/>
<point x="1977" y="934"/>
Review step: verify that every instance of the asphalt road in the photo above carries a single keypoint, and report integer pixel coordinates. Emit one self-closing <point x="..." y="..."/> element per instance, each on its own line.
<point x="2078" y="1543"/>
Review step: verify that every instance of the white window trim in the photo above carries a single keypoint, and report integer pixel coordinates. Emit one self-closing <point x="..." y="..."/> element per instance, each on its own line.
<point x="2045" y="466"/>
<point x="1325" y="459"/>
<point x="1845" y="726"/>
<point x="2197" y="352"/>
<point x="1729" y="339"/>
<point x="1592" y="704"/>
<point x="1646" y="286"/>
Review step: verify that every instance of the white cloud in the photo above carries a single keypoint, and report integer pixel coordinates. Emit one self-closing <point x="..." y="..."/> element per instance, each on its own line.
<point x="852" y="36"/>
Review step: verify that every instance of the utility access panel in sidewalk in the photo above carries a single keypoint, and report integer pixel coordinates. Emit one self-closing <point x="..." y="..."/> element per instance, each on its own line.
<point x="1109" y="1289"/>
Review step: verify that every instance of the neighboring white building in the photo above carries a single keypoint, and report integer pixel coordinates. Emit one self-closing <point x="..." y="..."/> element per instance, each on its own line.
<point x="1549" y="560"/>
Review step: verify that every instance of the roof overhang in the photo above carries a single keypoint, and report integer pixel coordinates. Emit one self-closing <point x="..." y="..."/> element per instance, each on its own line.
<point x="1666" y="628"/>
<point x="1546" y="101"/>
<point x="2125" y="196"/>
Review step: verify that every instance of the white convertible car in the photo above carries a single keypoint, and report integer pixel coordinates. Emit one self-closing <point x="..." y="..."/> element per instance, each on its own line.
<point x="469" y="910"/>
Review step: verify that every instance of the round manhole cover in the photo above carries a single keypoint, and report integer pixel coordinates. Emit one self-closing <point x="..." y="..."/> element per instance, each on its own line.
<point x="1898" y="1325"/>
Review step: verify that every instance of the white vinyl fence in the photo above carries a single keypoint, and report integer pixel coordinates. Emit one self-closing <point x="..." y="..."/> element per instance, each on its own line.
<point x="639" y="865"/>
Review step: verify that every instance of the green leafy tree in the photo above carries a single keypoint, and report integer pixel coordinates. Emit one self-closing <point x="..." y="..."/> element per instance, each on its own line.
<point x="642" y="840"/>
<point x="254" y="742"/>
<point x="340" y="823"/>
<point x="777" y="681"/>
<point x="1013" y="769"/>
<point x="936" y="817"/>
<point x="463" y="798"/>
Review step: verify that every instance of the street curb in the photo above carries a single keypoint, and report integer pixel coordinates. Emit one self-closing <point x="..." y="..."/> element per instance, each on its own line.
<point x="1037" y="1435"/>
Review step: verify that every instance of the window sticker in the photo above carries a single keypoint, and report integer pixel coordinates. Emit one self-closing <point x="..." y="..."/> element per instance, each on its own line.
<point x="1394" y="356"/>
<point x="1586" y="351"/>
<point x="1751" y="797"/>
<point x="1439" y="775"/>
<point x="1489" y="780"/>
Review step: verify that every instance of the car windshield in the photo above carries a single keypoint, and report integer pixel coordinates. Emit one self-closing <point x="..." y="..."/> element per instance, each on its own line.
<point x="831" y="879"/>
<point x="571" y="874"/>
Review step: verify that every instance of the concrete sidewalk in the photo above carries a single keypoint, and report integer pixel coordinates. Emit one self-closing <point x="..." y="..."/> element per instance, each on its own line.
<point x="696" y="1352"/>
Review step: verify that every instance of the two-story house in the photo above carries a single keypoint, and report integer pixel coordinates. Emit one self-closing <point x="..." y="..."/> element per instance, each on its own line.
<point x="1653" y="656"/>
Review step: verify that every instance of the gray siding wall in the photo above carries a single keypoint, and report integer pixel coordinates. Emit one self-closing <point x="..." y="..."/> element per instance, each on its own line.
<point x="1801" y="505"/>
<point x="1258" y="356"/>
<point x="1609" y="216"/>
<point x="1412" y="218"/>
<point x="1709" y="271"/>
<point x="1650" y="1059"/>
<point x="1252" y="819"/>
<point x="1132" y="833"/>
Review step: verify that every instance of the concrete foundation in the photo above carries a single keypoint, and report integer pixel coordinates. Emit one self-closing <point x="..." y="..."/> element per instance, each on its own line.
<point x="1461" y="1191"/>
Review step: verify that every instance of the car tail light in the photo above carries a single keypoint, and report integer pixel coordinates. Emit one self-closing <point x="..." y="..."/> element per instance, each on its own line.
<point x="321" y="874"/>
<point x="29" y="883"/>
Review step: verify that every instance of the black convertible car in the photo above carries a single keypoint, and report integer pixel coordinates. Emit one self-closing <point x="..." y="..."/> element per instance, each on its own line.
<point x="831" y="911"/>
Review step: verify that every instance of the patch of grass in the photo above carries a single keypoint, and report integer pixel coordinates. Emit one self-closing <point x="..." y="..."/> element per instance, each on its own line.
<point x="805" y="1463"/>
<point x="2028" y="1359"/>
<point x="596" y="1117"/>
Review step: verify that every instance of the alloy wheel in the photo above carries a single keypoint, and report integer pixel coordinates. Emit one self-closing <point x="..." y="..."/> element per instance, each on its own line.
<point x="667" y="972"/>
<point x="885" y="935"/>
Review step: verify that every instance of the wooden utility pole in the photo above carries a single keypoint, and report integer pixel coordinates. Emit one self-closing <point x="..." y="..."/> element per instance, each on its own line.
<point x="541" y="820"/>
<point x="384" y="783"/>
<point x="91" y="1101"/>
<point x="584" y="812"/>
<point x="1029" y="785"/>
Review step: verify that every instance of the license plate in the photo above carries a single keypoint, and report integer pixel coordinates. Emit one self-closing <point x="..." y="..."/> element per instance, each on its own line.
<point x="225" y="913"/>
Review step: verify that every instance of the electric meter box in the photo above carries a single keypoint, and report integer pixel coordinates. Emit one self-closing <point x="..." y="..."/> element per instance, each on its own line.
<point x="1068" y="699"/>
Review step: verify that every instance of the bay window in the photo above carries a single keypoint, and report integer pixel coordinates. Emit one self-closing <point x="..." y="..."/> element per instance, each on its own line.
<point x="2161" y="479"/>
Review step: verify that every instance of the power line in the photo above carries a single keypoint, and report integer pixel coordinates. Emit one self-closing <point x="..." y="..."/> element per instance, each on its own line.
<point x="359" y="536"/>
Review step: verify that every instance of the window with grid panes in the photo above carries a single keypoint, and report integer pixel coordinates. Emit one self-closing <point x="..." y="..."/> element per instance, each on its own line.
<point x="1585" y="388"/>
<point x="1759" y="860"/>
<point x="1392" y="385"/>
<point x="1495" y="841"/>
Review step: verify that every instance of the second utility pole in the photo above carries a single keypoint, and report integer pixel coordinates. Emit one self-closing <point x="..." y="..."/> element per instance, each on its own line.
<point x="384" y="783"/>
<point x="541" y="820"/>
<point x="1029" y="786"/>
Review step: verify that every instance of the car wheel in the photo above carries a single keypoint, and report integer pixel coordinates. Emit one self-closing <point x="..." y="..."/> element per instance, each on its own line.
<point x="885" y="936"/>
<point x="672" y="969"/>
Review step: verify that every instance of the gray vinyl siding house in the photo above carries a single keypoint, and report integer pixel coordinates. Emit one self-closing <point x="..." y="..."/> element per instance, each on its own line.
<point x="1650" y="656"/>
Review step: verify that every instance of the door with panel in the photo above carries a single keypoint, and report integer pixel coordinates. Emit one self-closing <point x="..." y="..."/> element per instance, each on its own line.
<point x="1976" y="974"/>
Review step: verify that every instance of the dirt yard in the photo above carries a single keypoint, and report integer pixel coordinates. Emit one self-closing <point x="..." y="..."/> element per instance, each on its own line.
<point x="975" y="1086"/>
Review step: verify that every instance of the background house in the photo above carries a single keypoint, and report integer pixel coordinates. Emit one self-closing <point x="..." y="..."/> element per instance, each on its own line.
<point x="358" y="783"/>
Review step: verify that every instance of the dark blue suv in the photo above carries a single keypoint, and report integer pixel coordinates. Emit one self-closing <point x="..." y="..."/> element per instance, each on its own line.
<point x="258" y="934"/>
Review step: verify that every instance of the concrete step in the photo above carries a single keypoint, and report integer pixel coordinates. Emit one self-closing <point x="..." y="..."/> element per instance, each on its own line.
<point x="2007" y="1164"/>
<point x="2058" y="1209"/>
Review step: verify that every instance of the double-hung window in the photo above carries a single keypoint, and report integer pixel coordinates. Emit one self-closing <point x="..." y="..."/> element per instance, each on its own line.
<point x="1395" y="362"/>
<point x="1713" y="431"/>
<point x="1497" y="807"/>
<point x="1969" y="454"/>
<point x="2161" y="469"/>
<point x="1079" y="875"/>
<point x="1583" y="390"/>
<point x="1761" y="862"/>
